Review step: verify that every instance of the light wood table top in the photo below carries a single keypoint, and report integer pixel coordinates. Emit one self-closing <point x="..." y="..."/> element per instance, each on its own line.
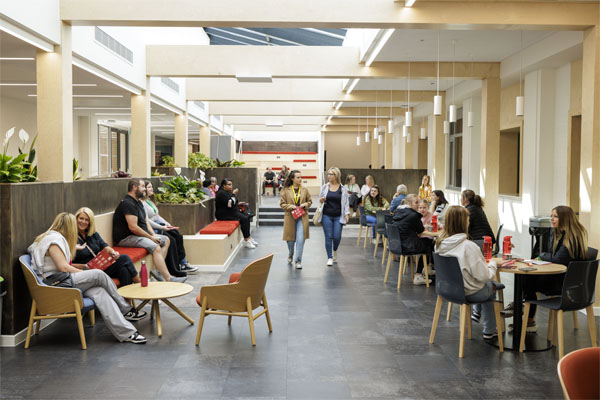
<point x="545" y="269"/>
<point x="155" y="290"/>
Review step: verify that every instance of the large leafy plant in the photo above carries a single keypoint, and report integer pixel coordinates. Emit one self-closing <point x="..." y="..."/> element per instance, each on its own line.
<point x="180" y="190"/>
<point x="168" y="161"/>
<point x="201" y="161"/>
<point x="19" y="168"/>
<point x="229" y="164"/>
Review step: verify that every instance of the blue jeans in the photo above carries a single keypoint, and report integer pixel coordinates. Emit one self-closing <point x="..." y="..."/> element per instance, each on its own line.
<point x="299" y="242"/>
<point x="486" y="309"/>
<point x="332" y="228"/>
<point x="372" y="221"/>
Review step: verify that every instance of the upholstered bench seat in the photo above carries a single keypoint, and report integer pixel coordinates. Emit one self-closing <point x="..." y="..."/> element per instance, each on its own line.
<point x="135" y="253"/>
<point x="220" y="228"/>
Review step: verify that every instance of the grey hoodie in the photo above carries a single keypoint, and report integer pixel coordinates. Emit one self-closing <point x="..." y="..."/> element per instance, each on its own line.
<point x="474" y="269"/>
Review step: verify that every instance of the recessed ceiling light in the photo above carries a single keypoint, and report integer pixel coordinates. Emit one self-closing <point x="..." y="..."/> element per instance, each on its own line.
<point x="35" y="84"/>
<point x="89" y="95"/>
<point x="17" y="59"/>
<point x="101" y="108"/>
<point x="409" y="3"/>
<point x="254" y="78"/>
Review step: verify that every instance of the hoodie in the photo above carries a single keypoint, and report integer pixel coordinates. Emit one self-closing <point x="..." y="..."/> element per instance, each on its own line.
<point x="474" y="269"/>
<point x="410" y="227"/>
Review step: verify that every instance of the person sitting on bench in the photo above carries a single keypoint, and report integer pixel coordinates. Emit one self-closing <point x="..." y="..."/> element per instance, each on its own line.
<point x="269" y="180"/>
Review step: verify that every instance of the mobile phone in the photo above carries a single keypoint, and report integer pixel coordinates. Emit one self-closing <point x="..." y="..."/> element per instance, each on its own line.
<point x="527" y="269"/>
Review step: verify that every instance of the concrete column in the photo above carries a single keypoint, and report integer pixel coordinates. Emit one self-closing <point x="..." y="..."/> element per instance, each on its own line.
<point x="141" y="157"/>
<point x="84" y="130"/>
<point x="490" y="147"/>
<point x="153" y="149"/>
<point x="374" y="152"/>
<point x="204" y="140"/>
<point x="55" y="111"/>
<point x="180" y="146"/>
<point x="438" y="147"/>
<point x="471" y="145"/>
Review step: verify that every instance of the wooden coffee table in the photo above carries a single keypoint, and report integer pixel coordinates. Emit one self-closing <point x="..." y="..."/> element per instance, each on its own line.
<point x="154" y="292"/>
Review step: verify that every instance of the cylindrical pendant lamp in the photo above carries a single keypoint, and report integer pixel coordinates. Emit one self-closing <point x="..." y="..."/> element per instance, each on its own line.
<point x="470" y="119"/>
<point x="390" y="126"/>
<point x="520" y="106"/>
<point x="423" y="133"/>
<point x="408" y="138"/>
<point x="358" y="140"/>
<point x="446" y="127"/>
<point x="379" y="139"/>
<point x="404" y="130"/>
<point x="367" y="137"/>
<point x="437" y="105"/>
<point x="452" y="113"/>
<point x="408" y="118"/>
<point x="375" y="133"/>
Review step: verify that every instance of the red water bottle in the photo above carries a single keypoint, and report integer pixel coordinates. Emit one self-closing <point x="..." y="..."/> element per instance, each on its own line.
<point x="144" y="274"/>
<point x="487" y="248"/>
<point x="434" y="224"/>
<point x="506" y="248"/>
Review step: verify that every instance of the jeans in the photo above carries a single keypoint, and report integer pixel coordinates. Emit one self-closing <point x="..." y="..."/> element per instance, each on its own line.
<point x="332" y="228"/>
<point x="372" y="221"/>
<point x="299" y="242"/>
<point x="486" y="309"/>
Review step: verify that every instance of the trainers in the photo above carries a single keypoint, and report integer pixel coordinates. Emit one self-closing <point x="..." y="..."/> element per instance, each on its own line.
<point x="298" y="265"/>
<point x="136" y="338"/>
<point x="508" y="311"/>
<point x="531" y="327"/>
<point x="420" y="280"/>
<point x="490" y="336"/>
<point x="373" y="241"/>
<point x="330" y="262"/>
<point x="156" y="275"/>
<point x="475" y="316"/>
<point x="290" y="259"/>
<point x="178" y="279"/>
<point x="188" y="268"/>
<point x="249" y="245"/>
<point x="254" y="242"/>
<point x="335" y="256"/>
<point x="135" y="315"/>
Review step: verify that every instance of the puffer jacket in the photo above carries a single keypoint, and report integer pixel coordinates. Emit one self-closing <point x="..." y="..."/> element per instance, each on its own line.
<point x="478" y="224"/>
<point x="410" y="226"/>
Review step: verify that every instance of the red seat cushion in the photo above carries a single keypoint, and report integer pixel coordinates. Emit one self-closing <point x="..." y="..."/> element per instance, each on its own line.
<point x="235" y="277"/>
<point x="220" y="228"/>
<point x="135" y="253"/>
<point x="117" y="282"/>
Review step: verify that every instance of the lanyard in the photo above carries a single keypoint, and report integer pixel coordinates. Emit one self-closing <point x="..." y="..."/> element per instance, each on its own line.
<point x="296" y="195"/>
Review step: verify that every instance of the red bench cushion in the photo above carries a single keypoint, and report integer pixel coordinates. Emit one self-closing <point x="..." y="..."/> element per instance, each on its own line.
<point x="117" y="282"/>
<point x="135" y="253"/>
<point x="220" y="228"/>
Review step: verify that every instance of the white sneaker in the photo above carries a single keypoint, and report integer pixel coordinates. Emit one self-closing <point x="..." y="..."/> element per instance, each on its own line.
<point x="330" y="262"/>
<point x="420" y="280"/>
<point x="249" y="245"/>
<point x="335" y="257"/>
<point x="373" y="241"/>
<point x="254" y="242"/>
<point x="290" y="260"/>
<point x="298" y="265"/>
<point x="430" y="270"/>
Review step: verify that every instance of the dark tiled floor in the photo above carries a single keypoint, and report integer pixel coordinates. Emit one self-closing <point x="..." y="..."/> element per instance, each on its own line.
<point x="338" y="333"/>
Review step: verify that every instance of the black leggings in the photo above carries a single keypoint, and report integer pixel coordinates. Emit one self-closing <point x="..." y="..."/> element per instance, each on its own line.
<point x="122" y="269"/>
<point x="550" y="285"/>
<point x="244" y="223"/>
<point x="176" y="239"/>
<point x="354" y="201"/>
<point x="423" y="246"/>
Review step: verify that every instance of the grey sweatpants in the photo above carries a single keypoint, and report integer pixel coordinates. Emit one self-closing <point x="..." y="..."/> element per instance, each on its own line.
<point x="98" y="286"/>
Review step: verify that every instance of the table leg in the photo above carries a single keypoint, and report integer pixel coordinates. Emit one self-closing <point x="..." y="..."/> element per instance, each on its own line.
<point x="142" y="304"/>
<point x="157" y="312"/>
<point x="518" y="312"/>
<point x="178" y="311"/>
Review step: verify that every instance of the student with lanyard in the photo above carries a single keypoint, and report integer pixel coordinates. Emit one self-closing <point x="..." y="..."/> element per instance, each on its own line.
<point x="295" y="227"/>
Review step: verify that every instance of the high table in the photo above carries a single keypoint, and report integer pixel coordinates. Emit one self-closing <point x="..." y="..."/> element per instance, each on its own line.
<point x="154" y="292"/>
<point x="532" y="342"/>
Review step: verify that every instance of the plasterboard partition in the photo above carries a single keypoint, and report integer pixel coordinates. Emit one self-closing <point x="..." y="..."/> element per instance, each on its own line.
<point x="471" y="156"/>
<point x="45" y="21"/>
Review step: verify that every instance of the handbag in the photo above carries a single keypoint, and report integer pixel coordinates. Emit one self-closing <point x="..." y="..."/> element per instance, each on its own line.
<point x="246" y="210"/>
<point x="298" y="212"/>
<point x="59" y="279"/>
<point x="317" y="216"/>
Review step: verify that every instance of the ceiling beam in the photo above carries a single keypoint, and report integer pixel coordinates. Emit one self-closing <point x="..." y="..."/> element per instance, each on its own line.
<point x="272" y="119"/>
<point x="370" y="111"/>
<point x="329" y="62"/>
<point x="380" y="14"/>
<point x="295" y="128"/>
<point x="304" y="90"/>
<point x="274" y="109"/>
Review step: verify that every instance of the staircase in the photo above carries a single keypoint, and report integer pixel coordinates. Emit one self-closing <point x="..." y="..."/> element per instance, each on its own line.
<point x="273" y="216"/>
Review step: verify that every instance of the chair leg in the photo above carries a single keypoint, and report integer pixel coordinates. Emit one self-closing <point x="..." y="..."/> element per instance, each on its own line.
<point x="201" y="322"/>
<point x="30" y="326"/>
<point x="469" y="311"/>
<point x="366" y="236"/>
<point x="589" y="310"/>
<point x="267" y="314"/>
<point x="524" y="326"/>
<point x="497" y="307"/>
<point x="425" y="266"/>
<point x="449" y="312"/>
<point x="37" y="326"/>
<point x="463" y="314"/>
<point x="436" y="317"/>
<point x="550" y="325"/>
<point x="376" y="244"/>
<point x="229" y="317"/>
<point x="250" y="320"/>
<point x="93" y="317"/>
<point x="412" y="268"/>
<point x="575" y="324"/>
<point x="561" y="334"/>
<point x="80" y="324"/>
<point x="555" y="330"/>
<point x="401" y="265"/>
<point x="387" y="268"/>
<point x="385" y="242"/>
<point x="359" y="235"/>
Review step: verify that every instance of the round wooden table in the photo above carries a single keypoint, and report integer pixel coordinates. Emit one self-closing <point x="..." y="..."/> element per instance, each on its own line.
<point x="154" y="292"/>
<point x="532" y="342"/>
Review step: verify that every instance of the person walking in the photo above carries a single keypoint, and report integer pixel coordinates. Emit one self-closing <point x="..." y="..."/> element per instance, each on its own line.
<point x="335" y="213"/>
<point x="295" y="227"/>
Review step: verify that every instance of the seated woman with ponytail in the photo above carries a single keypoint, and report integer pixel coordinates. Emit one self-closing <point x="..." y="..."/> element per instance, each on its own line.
<point x="478" y="222"/>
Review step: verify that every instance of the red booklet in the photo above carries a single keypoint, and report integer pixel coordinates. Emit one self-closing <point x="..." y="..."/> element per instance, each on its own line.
<point x="102" y="261"/>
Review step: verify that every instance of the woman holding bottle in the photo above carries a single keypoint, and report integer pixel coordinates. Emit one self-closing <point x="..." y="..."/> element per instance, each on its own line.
<point x="295" y="230"/>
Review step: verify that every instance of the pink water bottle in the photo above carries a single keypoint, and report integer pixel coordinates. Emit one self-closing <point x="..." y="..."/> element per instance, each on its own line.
<point x="434" y="223"/>
<point x="144" y="274"/>
<point x="487" y="248"/>
<point x="506" y="248"/>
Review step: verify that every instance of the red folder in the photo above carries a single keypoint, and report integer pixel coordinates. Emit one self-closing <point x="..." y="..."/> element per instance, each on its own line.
<point x="102" y="261"/>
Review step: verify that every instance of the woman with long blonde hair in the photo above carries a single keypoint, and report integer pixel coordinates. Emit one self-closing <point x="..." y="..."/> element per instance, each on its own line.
<point x="366" y="188"/>
<point x="335" y="212"/>
<point x="51" y="253"/>
<point x="425" y="189"/>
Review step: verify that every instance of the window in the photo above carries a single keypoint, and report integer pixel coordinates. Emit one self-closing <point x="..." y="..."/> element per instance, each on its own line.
<point x="510" y="162"/>
<point x="455" y="146"/>
<point x="113" y="150"/>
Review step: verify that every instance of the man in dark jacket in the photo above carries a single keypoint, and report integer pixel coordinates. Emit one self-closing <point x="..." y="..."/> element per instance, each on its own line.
<point x="408" y="221"/>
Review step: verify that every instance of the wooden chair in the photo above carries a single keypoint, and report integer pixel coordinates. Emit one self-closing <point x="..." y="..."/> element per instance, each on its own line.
<point x="389" y="219"/>
<point x="380" y="229"/>
<point x="238" y="299"/>
<point x="578" y="372"/>
<point x="363" y="223"/>
<point x="54" y="302"/>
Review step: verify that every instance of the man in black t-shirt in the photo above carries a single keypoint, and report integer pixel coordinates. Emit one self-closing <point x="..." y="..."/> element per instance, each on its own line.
<point x="131" y="229"/>
<point x="269" y="180"/>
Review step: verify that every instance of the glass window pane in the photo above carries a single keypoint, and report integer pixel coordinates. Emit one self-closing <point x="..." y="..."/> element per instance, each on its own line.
<point x="103" y="150"/>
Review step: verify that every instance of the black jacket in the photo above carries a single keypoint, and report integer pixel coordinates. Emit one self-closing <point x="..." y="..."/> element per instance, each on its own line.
<point x="222" y="210"/>
<point x="478" y="224"/>
<point x="561" y="253"/>
<point x="410" y="226"/>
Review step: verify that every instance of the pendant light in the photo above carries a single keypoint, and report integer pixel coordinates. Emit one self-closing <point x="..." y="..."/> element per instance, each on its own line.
<point x="452" y="116"/>
<point x="408" y="114"/>
<point x="376" y="129"/>
<point x="423" y="130"/>
<point x="437" y="99"/>
<point x="404" y="130"/>
<point x="391" y="120"/>
<point x="367" y="133"/>
<point x="379" y="139"/>
<point x="520" y="99"/>
<point x="408" y="138"/>
<point x="358" y="129"/>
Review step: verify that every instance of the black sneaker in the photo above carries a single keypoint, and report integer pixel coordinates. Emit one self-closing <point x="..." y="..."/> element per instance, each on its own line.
<point x="136" y="338"/>
<point x="187" y="268"/>
<point x="490" y="336"/>
<point x="135" y="315"/>
<point x="475" y="316"/>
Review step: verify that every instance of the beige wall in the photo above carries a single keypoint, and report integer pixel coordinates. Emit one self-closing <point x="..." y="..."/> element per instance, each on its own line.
<point x="508" y="106"/>
<point x="342" y="151"/>
<point x="576" y="70"/>
<point x="21" y="115"/>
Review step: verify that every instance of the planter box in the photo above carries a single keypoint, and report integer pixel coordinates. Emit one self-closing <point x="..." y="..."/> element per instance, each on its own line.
<point x="190" y="218"/>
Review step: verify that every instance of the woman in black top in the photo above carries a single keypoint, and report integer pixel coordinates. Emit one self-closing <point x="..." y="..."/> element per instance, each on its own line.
<point x="478" y="222"/>
<point x="335" y="212"/>
<point x="226" y="209"/>
<point x="90" y="243"/>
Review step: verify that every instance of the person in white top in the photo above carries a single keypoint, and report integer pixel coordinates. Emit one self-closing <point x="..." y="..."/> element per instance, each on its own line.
<point x="366" y="188"/>
<point x="477" y="274"/>
<point x="353" y="191"/>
